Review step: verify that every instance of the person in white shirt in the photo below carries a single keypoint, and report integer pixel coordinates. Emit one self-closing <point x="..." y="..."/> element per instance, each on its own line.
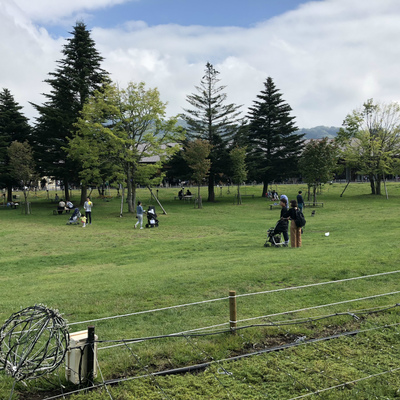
<point x="88" y="210"/>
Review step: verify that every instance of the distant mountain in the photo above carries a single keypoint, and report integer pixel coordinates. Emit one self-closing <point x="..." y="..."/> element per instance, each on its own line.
<point x="319" y="132"/>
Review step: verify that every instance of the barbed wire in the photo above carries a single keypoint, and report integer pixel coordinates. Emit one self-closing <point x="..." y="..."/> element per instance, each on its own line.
<point x="256" y="353"/>
<point x="237" y="296"/>
<point x="201" y="331"/>
<point x="390" y="371"/>
<point x="177" y="334"/>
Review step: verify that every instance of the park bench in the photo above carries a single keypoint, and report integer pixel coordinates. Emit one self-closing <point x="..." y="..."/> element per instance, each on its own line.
<point x="313" y="204"/>
<point x="8" y="205"/>
<point x="59" y="212"/>
<point x="245" y="195"/>
<point x="275" y="205"/>
<point x="185" y="198"/>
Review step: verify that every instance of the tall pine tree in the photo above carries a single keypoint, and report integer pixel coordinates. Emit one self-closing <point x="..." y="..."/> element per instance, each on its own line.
<point x="77" y="76"/>
<point x="13" y="127"/>
<point x="273" y="142"/>
<point x="212" y="120"/>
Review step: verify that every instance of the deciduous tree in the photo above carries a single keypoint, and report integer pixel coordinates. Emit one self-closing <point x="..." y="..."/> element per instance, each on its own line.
<point x="370" y="139"/>
<point x="196" y="155"/>
<point x="125" y="132"/>
<point x="318" y="162"/>
<point x="239" y="169"/>
<point x="22" y="168"/>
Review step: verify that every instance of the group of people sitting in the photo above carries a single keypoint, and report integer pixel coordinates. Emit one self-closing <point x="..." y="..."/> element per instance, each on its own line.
<point x="64" y="206"/>
<point x="272" y="195"/>
<point x="181" y="193"/>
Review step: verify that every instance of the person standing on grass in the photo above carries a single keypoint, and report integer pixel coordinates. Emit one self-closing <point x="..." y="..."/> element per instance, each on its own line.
<point x="300" y="201"/>
<point x="282" y="226"/>
<point x="88" y="210"/>
<point x="295" y="231"/>
<point x="139" y="215"/>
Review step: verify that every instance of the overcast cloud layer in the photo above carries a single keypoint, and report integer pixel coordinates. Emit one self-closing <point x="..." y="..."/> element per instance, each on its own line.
<point x="326" y="57"/>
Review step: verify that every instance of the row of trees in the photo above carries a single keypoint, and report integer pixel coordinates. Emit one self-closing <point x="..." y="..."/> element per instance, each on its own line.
<point x="90" y="131"/>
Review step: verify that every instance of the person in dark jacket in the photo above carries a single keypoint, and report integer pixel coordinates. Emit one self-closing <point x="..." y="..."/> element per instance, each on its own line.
<point x="300" y="201"/>
<point x="295" y="232"/>
<point x="283" y="223"/>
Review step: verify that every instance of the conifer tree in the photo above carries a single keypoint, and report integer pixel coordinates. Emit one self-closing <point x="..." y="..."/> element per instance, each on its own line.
<point x="76" y="77"/>
<point x="274" y="144"/>
<point x="212" y="120"/>
<point x="13" y="127"/>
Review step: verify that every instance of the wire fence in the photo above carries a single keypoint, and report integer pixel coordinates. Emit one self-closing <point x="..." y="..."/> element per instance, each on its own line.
<point x="241" y="324"/>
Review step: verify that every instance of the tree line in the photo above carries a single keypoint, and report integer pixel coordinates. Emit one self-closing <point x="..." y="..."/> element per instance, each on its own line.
<point x="89" y="131"/>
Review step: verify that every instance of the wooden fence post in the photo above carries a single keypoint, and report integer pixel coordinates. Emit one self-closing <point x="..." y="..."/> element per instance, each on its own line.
<point x="232" y="310"/>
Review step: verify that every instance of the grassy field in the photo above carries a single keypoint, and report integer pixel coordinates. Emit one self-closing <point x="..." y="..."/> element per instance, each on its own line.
<point x="109" y="269"/>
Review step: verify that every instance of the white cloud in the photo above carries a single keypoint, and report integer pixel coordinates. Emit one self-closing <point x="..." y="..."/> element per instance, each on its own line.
<point x="54" y="11"/>
<point x="326" y="57"/>
<point x="27" y="55"/>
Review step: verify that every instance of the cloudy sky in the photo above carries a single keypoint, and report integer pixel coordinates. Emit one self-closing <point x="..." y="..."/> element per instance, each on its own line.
<point x="326" y="57"/>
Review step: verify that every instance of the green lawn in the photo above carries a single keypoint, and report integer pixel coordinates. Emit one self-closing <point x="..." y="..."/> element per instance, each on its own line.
<point x="109" y="268"/>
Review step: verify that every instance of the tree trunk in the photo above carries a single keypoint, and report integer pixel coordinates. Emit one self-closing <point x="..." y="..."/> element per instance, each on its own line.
<point x="199" y="201"/>
<point x="83" y="195"/>
<point x="26" y="205"/>
<point x="66" y="190"/>
<point x="130" y="196"/>
<point x="314" y="194"/>
<point x="9" y="193"/>
<point x="239" y="198"/>
<point x="211" y="193"/>
<point x="265" y="189"/>
<point x="122" y="201"/>
<point x="372" y="184"/>
<point x="378" y="186"/>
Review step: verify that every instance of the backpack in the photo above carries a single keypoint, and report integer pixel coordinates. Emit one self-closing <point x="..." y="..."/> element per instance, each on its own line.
<point x="300" y="221"/>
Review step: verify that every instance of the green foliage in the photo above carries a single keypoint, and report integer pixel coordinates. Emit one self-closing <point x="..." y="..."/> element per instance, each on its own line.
<point x="318" y="162"/>
<point x="195" y="154"/>
<point x="370" y="139"/>
<point x="22" y="168"/>
<point x="22" y="165"/>
<point x="239" y="169"/>
<point x="274" y="144"/>
<point x="118" y="131"/>
<point x="13" y="127"/>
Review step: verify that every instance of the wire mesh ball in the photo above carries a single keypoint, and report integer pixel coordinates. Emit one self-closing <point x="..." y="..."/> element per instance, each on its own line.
<point x="33" y="342"/>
